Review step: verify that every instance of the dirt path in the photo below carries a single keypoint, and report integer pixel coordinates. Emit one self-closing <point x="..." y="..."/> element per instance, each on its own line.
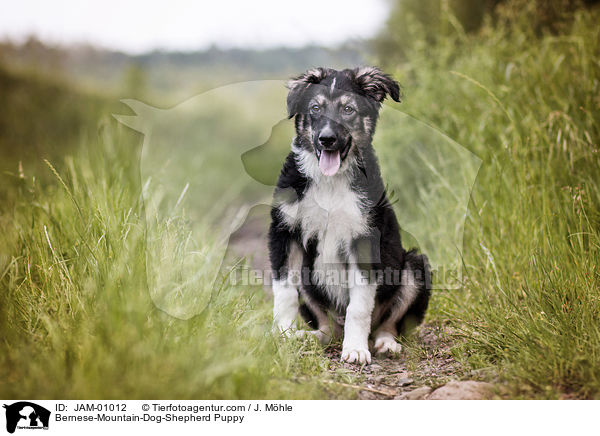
<point x="405" y="376"/>
<point x="427" y="372"/>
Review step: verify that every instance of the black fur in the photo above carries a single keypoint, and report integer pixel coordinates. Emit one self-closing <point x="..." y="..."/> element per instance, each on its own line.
<point x="319" y="101"/>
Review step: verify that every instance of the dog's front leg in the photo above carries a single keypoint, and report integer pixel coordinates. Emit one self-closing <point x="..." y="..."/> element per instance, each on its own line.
<point x="358" y="318"/>
<point x="285" y="307"/>
<point x="286" y="261"/>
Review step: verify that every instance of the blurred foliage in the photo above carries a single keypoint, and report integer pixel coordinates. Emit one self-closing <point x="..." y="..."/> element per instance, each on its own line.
<point x="554" y="16"/>
<point x="135" y="82"/>
<point x="423" y="23"/>
<point x="43" y="118"/>
<point x="170" y="77"/>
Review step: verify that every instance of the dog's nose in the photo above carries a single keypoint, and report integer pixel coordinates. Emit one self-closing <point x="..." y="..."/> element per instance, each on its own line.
<point x="327" y="140"/>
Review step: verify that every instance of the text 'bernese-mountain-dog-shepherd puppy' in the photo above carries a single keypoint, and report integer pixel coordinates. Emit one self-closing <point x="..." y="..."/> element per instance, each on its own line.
<point x="334" y="240"/>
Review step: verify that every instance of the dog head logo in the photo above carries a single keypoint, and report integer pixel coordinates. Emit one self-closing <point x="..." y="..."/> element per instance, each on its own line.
<point x="26" y="415"/>
<point x="202" y="156"/>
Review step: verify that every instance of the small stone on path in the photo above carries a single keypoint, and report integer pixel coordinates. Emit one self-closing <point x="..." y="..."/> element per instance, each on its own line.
<point x="463" y="390"/>
<point x="405" y="382"/>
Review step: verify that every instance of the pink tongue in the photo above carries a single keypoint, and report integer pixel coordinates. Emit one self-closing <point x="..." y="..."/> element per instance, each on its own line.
<point x="329" y="162"/>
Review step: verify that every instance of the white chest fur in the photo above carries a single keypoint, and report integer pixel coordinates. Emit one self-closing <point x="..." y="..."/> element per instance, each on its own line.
<point x="331" y="212"/>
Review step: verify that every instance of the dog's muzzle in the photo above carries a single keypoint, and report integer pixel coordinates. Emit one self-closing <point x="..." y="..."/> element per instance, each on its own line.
<point x="330" y="159"/>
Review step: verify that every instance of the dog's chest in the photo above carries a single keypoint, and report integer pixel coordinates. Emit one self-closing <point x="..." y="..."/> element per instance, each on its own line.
<point x="330" y="211"/>
<point x="334" y="214"/>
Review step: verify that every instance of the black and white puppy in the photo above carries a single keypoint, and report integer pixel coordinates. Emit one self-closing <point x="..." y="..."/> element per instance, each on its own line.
<point x="334" y="240"/>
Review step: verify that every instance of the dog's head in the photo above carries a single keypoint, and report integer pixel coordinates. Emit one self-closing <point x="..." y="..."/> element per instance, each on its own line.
<point x="336" y="111"/>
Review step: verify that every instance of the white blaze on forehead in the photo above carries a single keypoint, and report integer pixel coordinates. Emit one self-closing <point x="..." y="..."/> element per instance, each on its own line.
<point x="333" y="84"/>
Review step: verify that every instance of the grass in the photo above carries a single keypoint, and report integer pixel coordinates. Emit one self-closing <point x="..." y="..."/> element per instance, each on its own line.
<point x="528" y="107"/>
<point x="78" y="319"/>
<point x="75" y="306"/>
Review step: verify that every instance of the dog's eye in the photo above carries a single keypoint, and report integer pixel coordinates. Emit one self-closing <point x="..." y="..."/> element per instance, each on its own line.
<point x="315" y="108"/>
<point x="348" y="110"/>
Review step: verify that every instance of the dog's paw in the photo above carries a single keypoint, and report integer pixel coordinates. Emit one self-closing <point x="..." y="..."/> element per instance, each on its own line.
<point x="303" y="333"/>
<point x="356" y="355"/>
<point x="386" y="344"/>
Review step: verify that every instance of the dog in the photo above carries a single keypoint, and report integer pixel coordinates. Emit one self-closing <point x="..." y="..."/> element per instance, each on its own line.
<point x="334" y="241"/>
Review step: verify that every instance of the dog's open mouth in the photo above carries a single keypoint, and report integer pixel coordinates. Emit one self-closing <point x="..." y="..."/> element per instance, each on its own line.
<point x="330" y="161"/>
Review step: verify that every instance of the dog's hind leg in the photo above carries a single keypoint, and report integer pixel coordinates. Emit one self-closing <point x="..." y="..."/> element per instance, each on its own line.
<point x="412" y="299"/>
<point x="419" y="264"/>
<point x="316" y="317"/>
<point x="385" y="336"/>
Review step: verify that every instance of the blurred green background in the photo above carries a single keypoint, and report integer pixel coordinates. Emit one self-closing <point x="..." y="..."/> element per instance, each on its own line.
<point x="514" y="82"/>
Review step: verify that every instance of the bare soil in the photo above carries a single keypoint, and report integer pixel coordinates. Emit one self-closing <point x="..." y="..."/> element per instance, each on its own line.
<point x="389" y="377"/>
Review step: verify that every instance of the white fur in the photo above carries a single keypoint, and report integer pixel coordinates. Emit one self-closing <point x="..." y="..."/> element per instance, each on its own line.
<point x="367" y="124"/>
<point x="386" y="343"/>
<point x="285" y="294"/>
<point x="333" y="213"/>
<point x="332" y="85"/>
<point x="358" y="319"/>
<point x="285" y="306"/>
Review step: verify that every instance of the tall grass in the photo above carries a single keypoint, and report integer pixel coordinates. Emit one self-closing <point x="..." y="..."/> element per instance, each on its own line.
<point x="76" y="315"/>
<point x="529" y="107"/>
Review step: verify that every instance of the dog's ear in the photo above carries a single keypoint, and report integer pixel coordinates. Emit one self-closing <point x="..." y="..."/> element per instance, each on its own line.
<point x="298" y="85"/>
<point x="376" y="84"/>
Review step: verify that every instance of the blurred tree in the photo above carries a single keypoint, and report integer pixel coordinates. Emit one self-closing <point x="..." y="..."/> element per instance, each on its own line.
<point x="420" y="23"/>
<point x="471" y="13"/>
<point x="423" y="22"/>
<point x="541" y="15"/>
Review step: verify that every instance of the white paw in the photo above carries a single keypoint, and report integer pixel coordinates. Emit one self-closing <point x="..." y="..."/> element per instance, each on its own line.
<point x="303" y="333"/>
<point x="356" y="355"/>
<point x="387" y="344"/>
